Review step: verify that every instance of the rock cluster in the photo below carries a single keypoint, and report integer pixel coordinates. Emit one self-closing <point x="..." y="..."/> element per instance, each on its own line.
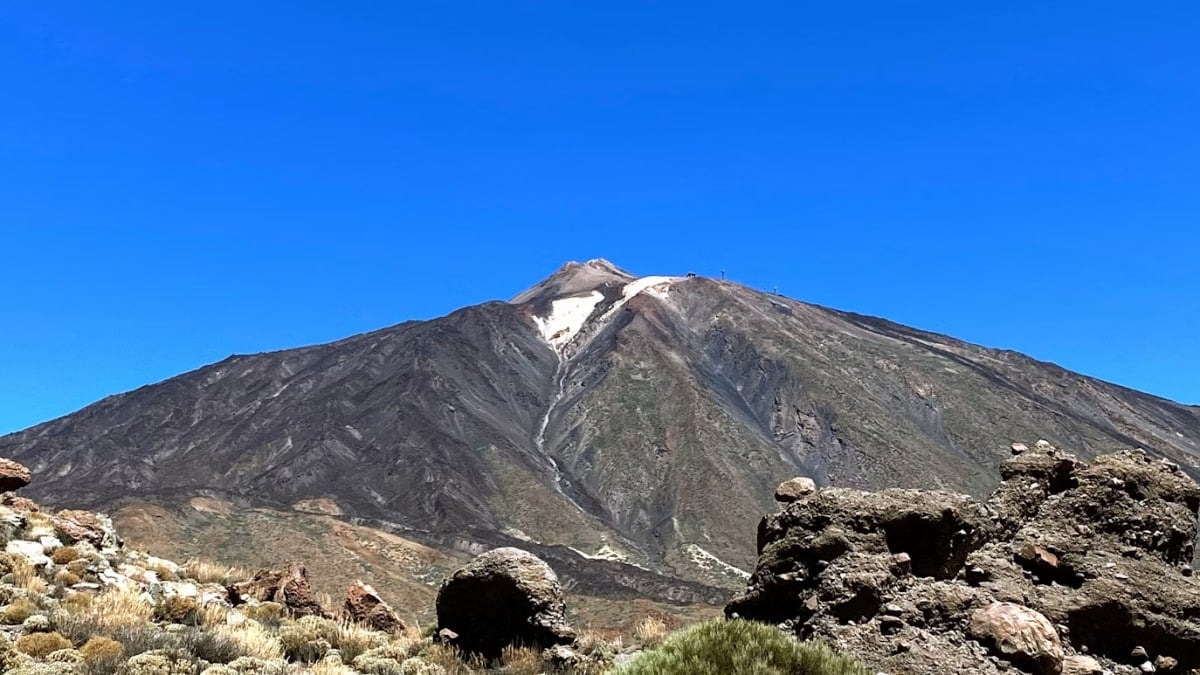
<point x="1067" y="568"/>
<point x="287" y="585"/>
<point x="504" y="597"/>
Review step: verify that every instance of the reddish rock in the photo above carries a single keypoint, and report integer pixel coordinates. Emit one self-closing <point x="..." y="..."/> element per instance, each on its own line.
<point x="363" y="605"/>
<point x="287" y="585"/>
<point x="19" y="504"/>
<point x="13" y="476"/>
<point x="77" y="526"/>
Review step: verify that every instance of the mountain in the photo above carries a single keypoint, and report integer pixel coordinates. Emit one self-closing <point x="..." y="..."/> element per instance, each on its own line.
<point x="631" y="429"/>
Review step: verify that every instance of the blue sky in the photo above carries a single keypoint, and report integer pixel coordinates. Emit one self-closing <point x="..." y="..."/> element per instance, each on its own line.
<point x="181" y="182"/>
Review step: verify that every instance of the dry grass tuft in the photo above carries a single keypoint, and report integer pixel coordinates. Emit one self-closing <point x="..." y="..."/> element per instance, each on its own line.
<point x="522" y="660"/>
<point x="252" y="639"/>
<point x="207" y="572"/>
<point x="650" y="631"/>
<point x="121" y="607"/>
<point x="25" y="575"/>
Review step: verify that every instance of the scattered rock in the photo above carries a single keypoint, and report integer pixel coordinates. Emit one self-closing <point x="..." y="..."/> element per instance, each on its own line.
<point x="505" y="596"/>
<point x="287" y="585"/>
<point x="795" y="489"/>
<point x="363" y="605"/>
<point x="1018" y="635"/>
<point x="13" y="476"/>
<point x="1078" y="664"/>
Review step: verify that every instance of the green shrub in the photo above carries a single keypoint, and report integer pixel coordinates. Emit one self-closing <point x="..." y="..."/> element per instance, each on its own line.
<point x="738" y="647"/>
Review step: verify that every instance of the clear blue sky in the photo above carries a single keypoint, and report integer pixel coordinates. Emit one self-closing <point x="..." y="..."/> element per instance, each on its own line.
<point x="182" y="181"/>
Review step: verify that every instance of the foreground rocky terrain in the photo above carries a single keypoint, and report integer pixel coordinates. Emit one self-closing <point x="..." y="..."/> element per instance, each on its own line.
<point x="1069" y="567"/>
<point x="629" y="430"/>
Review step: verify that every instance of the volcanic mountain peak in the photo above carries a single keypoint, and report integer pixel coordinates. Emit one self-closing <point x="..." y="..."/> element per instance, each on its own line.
<point x="577" y="293"/>
<point x="575" y="278"/>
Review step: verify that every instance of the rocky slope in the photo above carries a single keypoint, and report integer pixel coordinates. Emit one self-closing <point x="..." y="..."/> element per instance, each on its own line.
<point x="598" y="418"/>
<point x="1068" y="567"/>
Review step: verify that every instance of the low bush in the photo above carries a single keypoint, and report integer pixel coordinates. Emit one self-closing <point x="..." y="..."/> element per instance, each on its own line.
<point x="178" y="609"/>
<point x="737" y="647"/>
<point x="64" y="555"/>
<point x="40" y="645"/>
<point x="102" y="655"/>
<point x="17" y="611"/>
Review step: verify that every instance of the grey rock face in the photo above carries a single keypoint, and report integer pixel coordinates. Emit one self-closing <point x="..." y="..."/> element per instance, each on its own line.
<point x="504" y="597"/>
<point x="1095" y="557"/>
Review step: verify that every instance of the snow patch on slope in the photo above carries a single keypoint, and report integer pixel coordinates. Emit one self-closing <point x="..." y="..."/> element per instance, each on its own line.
<point x="566" y="318"/>
<point x="707" y="561"/>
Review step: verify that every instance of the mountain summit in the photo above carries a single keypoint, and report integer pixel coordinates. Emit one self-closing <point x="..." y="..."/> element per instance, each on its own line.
<point x="635" y="422"/>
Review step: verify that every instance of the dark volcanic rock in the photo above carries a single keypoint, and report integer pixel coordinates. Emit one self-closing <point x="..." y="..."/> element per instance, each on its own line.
<point x="505" y="596"/>
<point x="13" y="476"/>
<point x="1095" y="557"/>
<point x="287" y="585"/>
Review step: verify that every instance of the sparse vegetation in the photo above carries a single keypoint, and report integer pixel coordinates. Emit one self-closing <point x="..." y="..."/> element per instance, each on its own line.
<point x="207" y="572"/>
<point x="737" y="647"/>
<point x="140" y="615"/>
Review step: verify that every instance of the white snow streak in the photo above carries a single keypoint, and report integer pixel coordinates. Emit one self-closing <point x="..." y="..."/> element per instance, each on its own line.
<point x="706" y="560"/>
<point x="567" y="316"/>
<point x="561" y="327"/>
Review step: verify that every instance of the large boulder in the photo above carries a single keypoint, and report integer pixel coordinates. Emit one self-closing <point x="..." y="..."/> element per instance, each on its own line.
<point x="1020" y="636"/>
<point x="1100" y="551"/>
<point x="363" y="605"/>
<point x="287" y="585"/>
<point x="13" y="476"/>
<point x="504" y="597"/>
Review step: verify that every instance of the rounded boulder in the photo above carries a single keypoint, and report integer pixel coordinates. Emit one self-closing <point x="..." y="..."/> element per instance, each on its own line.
<point x="504" y="597"/>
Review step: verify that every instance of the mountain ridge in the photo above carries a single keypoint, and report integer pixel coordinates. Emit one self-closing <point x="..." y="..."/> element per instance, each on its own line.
<point x="642" y="419"/>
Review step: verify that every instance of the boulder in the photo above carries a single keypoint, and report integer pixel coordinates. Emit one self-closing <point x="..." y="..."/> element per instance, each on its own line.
<point x="29" y="550"/>
<point x="504" y="597"/>
<point x="363" y="605"/>
<point x="84" y="526"/>
<point x="795" y="489"/>
<point x="287" y="585"/>
<point x="1020" y="636"/>
<point x="1080" y="664"/>
<point x="13" y="476"/>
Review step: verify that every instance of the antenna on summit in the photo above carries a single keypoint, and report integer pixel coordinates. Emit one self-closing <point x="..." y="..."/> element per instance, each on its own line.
<point x="722" y="275"/>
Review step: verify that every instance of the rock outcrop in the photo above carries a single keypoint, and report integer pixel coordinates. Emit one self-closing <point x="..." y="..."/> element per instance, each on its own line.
<point x="13" y="476"/>
<point x="1067" y="567"/>
<point x="287" y="585"/>
<point x="503" y="597"/>
<point x="363" y="605"/>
